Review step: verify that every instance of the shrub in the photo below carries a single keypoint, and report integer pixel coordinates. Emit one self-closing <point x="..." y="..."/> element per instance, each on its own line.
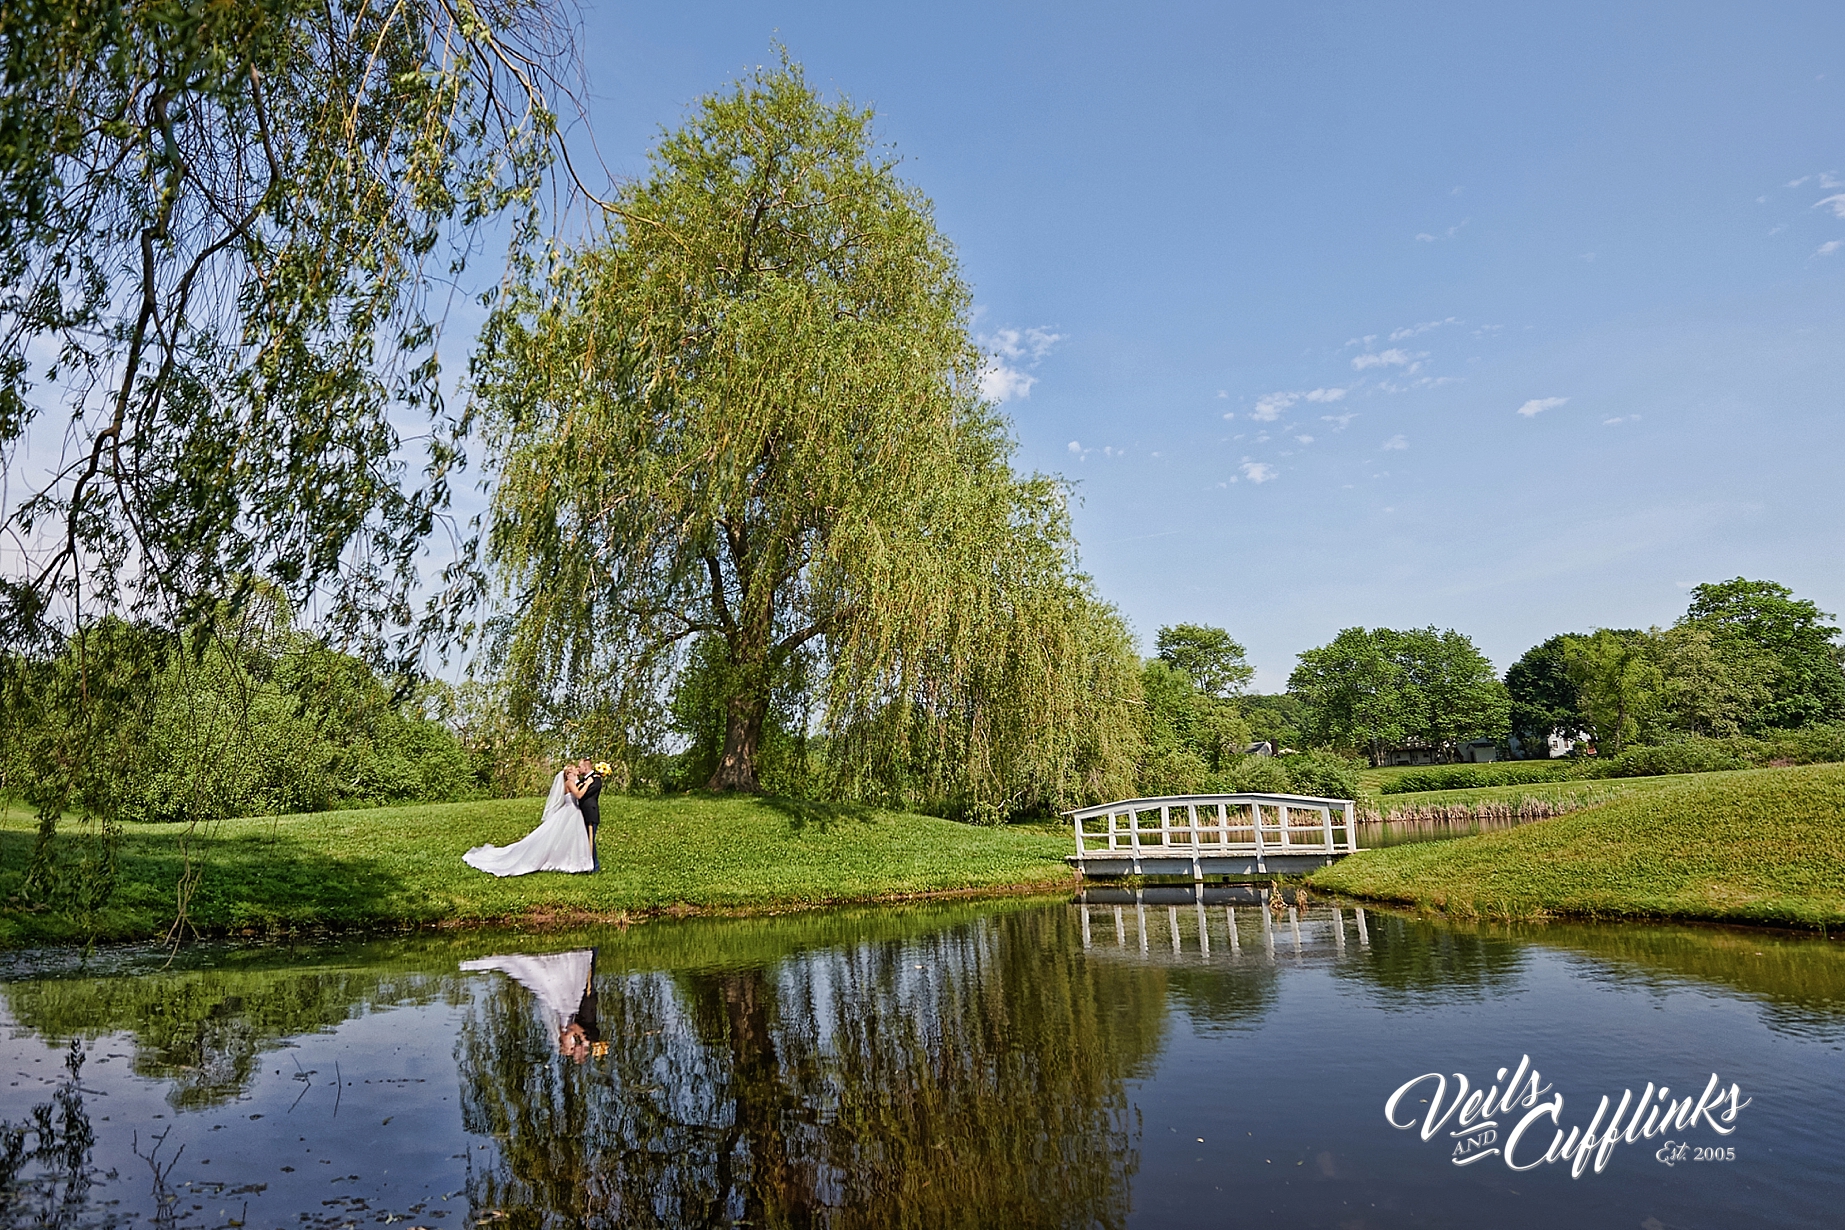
<point x="1808" y="745"/>
<point x="1693" y="755"/>
<point x="1322" y="774"/>
<point x="1478" y="776"/>
<point x="1254" y="775"/>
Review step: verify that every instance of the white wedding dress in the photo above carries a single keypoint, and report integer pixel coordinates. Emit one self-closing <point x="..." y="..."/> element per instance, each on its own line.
<point x="559" y="843"/>
<point x="557" y="979"/>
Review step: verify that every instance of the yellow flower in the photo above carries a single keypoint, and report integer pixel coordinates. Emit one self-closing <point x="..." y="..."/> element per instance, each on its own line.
<point x="602" y="767"/>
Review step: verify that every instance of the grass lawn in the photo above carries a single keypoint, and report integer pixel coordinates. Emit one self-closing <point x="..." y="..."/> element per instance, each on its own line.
<point x="1752" y="846"/>
<point x="1584" y="793"/>
<point x="402" y="866"/>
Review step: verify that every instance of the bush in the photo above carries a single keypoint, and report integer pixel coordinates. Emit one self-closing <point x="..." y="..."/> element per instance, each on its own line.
<point x="1808" y="745"/>
<point x="1693" y="755"/>
<point x="1322" y="774"/>
<point x="1478" y="776"/>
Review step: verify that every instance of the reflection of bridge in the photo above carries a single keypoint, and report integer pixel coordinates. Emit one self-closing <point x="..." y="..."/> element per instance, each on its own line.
<point x="1212" y="834"/>
<point x="1197" y="917"/>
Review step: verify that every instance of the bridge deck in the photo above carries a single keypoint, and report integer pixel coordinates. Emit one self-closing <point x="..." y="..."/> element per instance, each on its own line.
<point x="1212" y="834"/>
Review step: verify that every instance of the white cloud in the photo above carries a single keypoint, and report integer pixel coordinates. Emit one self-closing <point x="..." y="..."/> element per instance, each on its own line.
<point x="1425" y="237"/>
<point x="1010" y="352"/>
<point x="1259" y="471"/>
<point x="1075" y="447"/>
<point x="1303" y="439"/>
<point x="1388" y="358"/>
<point x="1341" y="421"/>
<point x="1223" y="394"/>
<point x="1619" y="419"/>
<point x="1424" y="327"/>
<point x="1395" y="443"/>
<point x="1835" y="202"/>
<point x="1829" y="247"/>
<point x="1269" y="407"/>
<point x="1538" y="405"/>
<point x="1001" y="383"/>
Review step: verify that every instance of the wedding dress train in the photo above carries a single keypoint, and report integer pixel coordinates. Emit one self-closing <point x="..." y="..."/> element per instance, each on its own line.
<point x="559" y="843"/>
<point x="557" y="979"/>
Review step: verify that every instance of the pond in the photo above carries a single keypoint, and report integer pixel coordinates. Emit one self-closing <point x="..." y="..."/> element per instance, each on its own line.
<point x="1160" y="1060"/>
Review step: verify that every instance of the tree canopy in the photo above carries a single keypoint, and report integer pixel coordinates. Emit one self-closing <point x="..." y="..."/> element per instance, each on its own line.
<point x="1797" y="653"/>
<point x="1369" y="689"/>
<point x="217" y="227"/>
<point x="1217" y="664"/>
<point x="749" y="421"/>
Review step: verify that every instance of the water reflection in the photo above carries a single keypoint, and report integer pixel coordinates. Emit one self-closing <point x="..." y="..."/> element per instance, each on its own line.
<point x="1128" y="1058"/>
<point x="971" y="1077"/>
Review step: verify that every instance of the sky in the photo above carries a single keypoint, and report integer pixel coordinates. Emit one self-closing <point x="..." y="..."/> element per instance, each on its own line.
<point x="1516" y="318"/>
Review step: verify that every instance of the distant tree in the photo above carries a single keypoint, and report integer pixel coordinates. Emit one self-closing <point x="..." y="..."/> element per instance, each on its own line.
<point x="1618" y="683"/>
<point x="1710" y="684"/>
<point x="1351" y="693"/>
<point x="1279" y="718"/>
<point x="1789" y="637"/>
<point x="1189" y="733"/>
<point x="1369" y="689"/>
<point x="1218" y="666"/>
<point x="1544" y="701"/>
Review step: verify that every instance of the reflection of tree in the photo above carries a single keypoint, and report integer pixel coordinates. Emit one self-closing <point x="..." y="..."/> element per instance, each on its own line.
<point x="1800" y="980"/>
<point x="1439" y="962"/>
<point x="840" y="1087"/>
<point x="45" y="1184"/>
<point x="1235" y="995"/>
<point x="204" y="1029"/>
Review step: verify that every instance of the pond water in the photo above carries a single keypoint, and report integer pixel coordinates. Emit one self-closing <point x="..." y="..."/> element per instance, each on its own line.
<point x="1154" y="1061"/>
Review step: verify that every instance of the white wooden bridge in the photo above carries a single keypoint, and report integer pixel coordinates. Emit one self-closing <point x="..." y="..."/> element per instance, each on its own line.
<point x="1213" y="835"/>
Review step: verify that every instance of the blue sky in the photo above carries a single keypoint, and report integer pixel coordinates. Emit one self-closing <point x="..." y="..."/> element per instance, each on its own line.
<point x="1515" y="319"/>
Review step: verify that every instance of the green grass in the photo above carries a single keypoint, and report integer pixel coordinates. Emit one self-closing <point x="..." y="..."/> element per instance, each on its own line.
<point x="401" y="866"/>
<point x="1752" y="846"/>
<point x="1587" y="793"/>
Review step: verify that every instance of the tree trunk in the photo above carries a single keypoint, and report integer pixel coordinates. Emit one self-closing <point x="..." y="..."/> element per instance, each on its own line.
<point x="736" y="769"/>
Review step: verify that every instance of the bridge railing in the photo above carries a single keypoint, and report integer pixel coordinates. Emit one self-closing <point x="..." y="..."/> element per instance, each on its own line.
<point x="1194" y="826"/>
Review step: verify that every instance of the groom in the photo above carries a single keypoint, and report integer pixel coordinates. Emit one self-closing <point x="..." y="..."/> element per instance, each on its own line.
<point x="589" y="785"/>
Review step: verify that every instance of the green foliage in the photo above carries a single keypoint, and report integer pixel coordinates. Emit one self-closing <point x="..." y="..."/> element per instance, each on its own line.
<point x="1216" y="664"/>
<point x="1368" y="690"/>
<point x="241" y="717"/>
<point x="1481" y="776"/>
<point x="216" y="223"/>
<point x="1544" y="697"/>
<point x="1189" y="734"/>
<point x="1617" y="680"/>
<point x="1320" y="773"/>
<point x="750" y="420"/>
<point x="1797" y="651"/>
<point x="1277" y="719"/>
<point x="1690" y="755"/>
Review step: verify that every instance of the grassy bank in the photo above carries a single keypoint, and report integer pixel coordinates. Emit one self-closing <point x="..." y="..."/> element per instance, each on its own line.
<point x="1755" y="846"/>
<point x="402" y="866"/>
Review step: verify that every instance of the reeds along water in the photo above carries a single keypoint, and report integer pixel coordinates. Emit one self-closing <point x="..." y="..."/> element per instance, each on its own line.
<point x="1426" y="820"/>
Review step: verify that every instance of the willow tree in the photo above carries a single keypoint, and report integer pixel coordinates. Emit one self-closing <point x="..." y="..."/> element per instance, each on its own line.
<point x="227" y="237"/>
<point x="751" y="413"/>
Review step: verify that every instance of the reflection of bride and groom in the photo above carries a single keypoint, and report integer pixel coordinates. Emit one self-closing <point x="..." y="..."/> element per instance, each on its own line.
<point x="565" y="985"/>
<point x="565" y="839"/>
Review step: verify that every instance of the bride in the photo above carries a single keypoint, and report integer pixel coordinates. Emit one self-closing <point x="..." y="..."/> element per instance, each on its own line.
<point x="559" y="843"/>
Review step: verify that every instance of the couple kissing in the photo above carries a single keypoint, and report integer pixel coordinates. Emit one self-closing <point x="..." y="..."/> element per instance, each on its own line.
<point x="565" y="839"/>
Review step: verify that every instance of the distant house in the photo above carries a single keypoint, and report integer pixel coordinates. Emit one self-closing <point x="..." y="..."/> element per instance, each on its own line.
<point x="1555" y="747"/>
<point x="1474" y="751"/>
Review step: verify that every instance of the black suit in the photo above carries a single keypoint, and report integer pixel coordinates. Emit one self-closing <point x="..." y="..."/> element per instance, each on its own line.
<point x="591" y="807"/>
